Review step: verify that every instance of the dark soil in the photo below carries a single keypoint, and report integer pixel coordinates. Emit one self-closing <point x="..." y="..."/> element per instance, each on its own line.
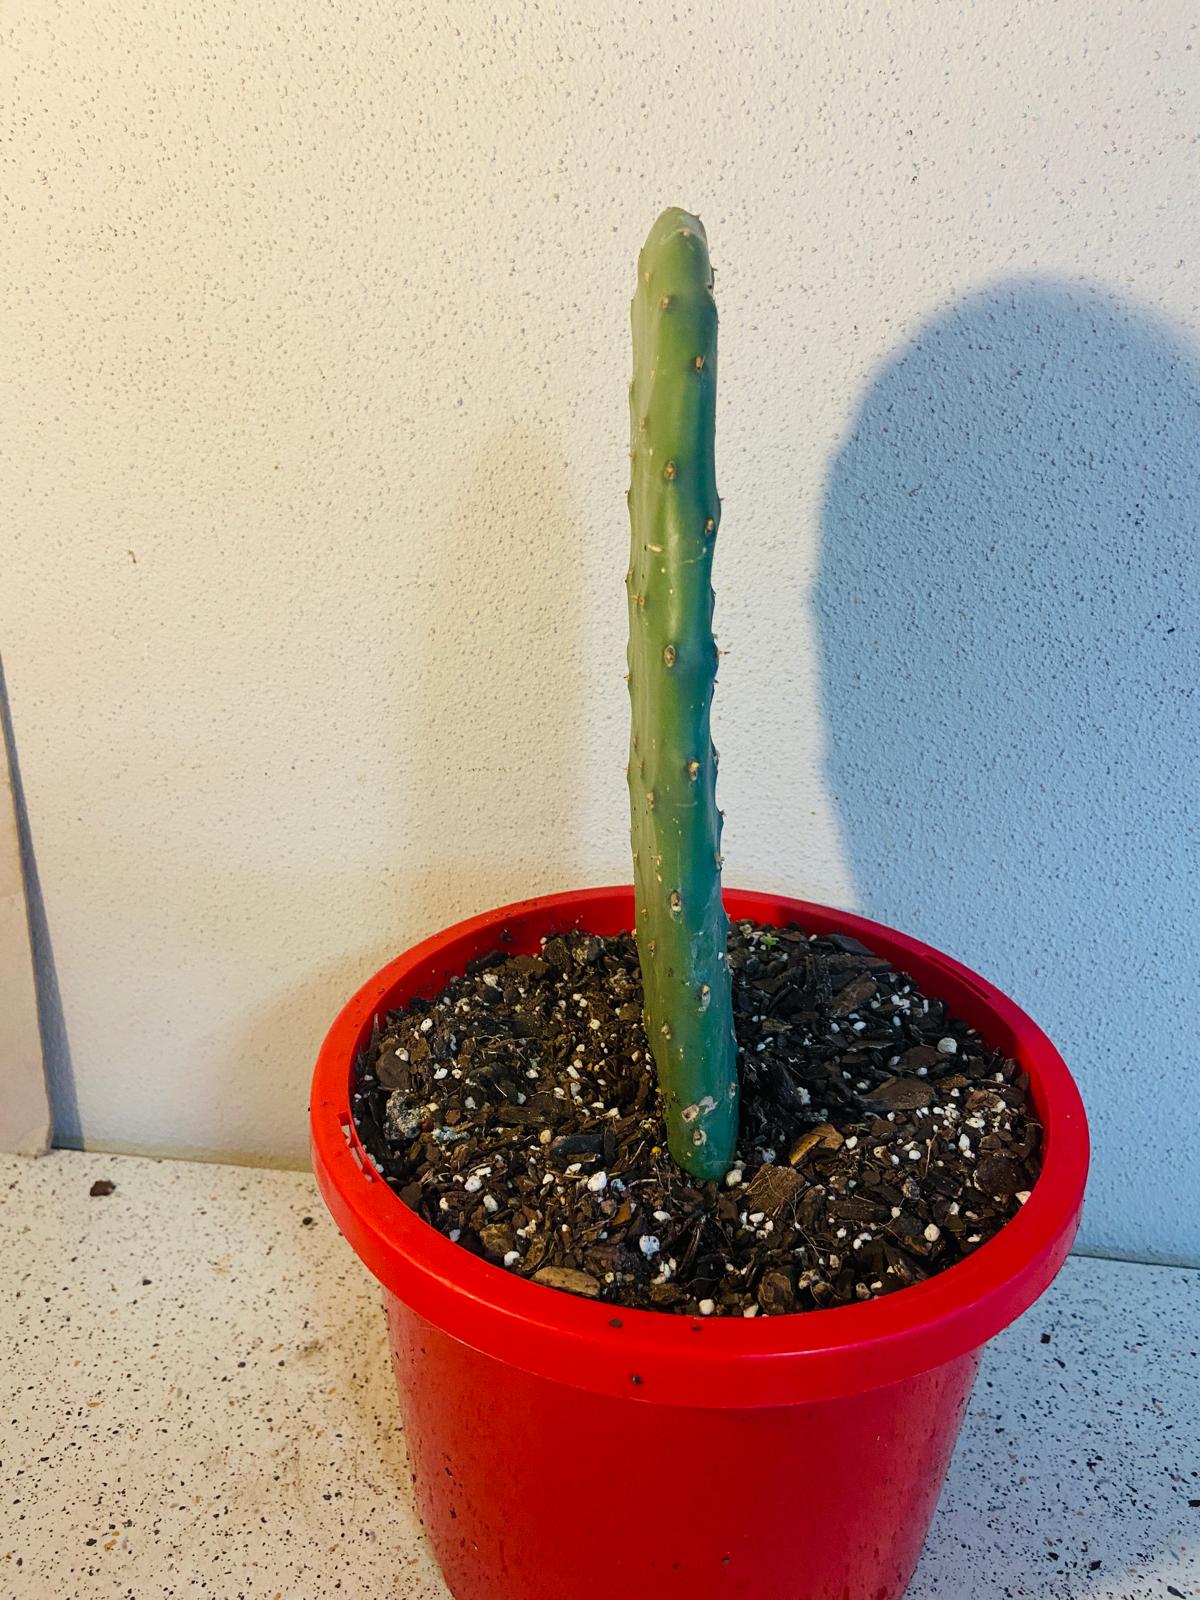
<point x="881" y="1139"/>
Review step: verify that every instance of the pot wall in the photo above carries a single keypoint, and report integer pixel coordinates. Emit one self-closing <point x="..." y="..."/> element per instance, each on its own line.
<point x="533" y="1490"/>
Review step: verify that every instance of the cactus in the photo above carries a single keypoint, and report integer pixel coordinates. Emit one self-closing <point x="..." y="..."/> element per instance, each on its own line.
<point x="681" y="926"/>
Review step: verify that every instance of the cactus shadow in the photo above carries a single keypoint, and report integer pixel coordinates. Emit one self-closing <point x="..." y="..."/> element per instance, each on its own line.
<point x="492" y="751"/>
<point x="1008" y="649"/>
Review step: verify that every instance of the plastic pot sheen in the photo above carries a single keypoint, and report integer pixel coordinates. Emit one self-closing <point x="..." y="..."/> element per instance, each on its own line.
<point x="562" y="1449"/>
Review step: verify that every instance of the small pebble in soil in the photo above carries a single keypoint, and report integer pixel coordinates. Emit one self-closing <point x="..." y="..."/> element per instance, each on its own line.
<point x="882" y="1140"/>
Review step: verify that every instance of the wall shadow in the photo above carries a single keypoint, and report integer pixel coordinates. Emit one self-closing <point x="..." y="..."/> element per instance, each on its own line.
<point x="1007" y="617"/>
<point x="56" y="1048"/>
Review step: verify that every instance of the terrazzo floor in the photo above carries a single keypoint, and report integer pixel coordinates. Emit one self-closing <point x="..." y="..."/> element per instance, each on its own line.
<point x="197" y="1402"/>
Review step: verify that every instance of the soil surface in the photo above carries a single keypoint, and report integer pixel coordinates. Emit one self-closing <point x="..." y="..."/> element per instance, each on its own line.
<point x="881" y="1139"/>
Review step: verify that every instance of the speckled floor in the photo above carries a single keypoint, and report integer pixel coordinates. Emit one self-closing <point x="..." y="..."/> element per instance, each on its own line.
<point x="197" y="1401"/>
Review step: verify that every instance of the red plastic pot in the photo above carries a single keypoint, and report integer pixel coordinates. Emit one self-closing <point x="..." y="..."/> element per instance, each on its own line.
<point x="565" y="1450"/>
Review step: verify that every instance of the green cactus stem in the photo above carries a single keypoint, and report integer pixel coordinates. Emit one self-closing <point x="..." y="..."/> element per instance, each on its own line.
<point x="681" y="926"/>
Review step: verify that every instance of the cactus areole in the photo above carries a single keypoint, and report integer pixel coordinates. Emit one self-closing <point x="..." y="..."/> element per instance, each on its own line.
<point x="681" y="926"/>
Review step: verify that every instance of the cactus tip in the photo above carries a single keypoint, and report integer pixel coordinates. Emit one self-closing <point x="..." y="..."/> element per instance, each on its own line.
<point x="669" y="655"/>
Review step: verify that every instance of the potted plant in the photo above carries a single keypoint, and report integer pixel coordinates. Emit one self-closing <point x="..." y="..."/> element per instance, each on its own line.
<point x="718" y="1342"/>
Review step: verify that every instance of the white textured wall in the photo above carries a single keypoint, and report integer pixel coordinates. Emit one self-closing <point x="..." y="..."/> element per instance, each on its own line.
<point x="312" y="604"/>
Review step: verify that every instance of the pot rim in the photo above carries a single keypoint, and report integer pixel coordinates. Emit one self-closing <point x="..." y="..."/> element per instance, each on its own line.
<point x="666" y="1357"/>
